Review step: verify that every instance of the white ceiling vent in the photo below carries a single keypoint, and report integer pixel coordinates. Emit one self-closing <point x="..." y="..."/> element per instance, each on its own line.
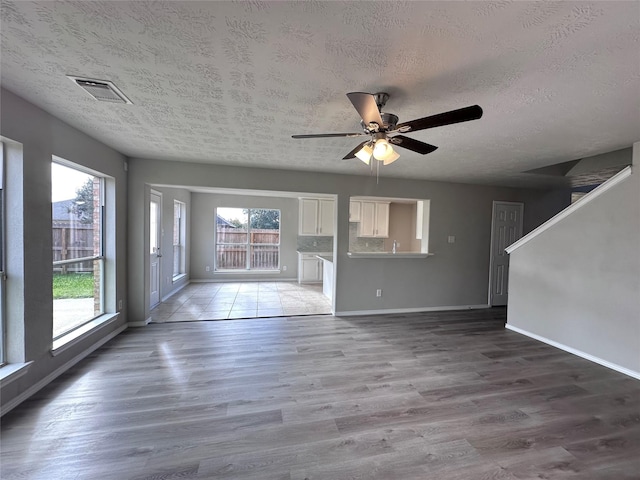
<point x="101" y="90"/>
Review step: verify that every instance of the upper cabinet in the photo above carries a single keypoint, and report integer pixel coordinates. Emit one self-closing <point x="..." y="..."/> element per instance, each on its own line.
<point x="355" y="207"/>
<point x="316" y="216"/>
<point x="374" y="219"/>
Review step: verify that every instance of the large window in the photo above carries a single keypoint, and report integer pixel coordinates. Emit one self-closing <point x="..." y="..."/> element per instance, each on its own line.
<point x="247" y="239"/>
<point x="2" y="272"/>
<point x="78" y="260"/>
<point x="179" y="234"/>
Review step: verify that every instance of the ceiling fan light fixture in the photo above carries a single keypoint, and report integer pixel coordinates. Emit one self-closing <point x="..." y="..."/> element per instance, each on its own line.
<point x="384" y="151"/>
<point x="391" y="158"/>
<point x="365" y="153"/>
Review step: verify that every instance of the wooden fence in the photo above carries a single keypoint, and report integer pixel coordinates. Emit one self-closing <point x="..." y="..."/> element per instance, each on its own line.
<point x="232" y="254"/>
<point x="70" y="242"/>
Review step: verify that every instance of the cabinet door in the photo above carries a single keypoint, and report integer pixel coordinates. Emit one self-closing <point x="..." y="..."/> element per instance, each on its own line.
<point x="367" y="219"/>
<point x="382" y="220"/>
<point x="354" y="210"/>
<point x="325" y="217"/>
<point x="310" y="269"/>
<point x="308" y="218"/>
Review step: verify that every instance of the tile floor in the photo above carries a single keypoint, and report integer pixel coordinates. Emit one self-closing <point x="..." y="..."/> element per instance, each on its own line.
<point x="219" y="301"/>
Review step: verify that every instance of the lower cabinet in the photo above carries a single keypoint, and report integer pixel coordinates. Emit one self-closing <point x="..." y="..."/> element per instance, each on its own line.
<point x="309" y="268"/>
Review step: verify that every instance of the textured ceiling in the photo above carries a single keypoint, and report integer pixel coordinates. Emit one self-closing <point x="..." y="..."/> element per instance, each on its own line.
<point x="230" y="82"/>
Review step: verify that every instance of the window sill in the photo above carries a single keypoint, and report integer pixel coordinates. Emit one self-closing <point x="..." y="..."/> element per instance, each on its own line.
<point x="76" y="336"/>
<point x="13" y="371"/>
<point x="177" y="278"/>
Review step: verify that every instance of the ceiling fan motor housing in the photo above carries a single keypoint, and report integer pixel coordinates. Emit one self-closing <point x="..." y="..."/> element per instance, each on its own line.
<point x="389" y="122"/>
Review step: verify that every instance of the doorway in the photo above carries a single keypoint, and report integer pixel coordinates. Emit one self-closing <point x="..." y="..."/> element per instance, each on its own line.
<point x="506" y="228"/>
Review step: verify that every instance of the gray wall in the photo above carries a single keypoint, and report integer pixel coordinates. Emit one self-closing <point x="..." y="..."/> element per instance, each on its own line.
<point x="29" y="271"/>
<point x="456" y="276"/>
<point x="578" y="283"/>
<point x="203" y="226"/>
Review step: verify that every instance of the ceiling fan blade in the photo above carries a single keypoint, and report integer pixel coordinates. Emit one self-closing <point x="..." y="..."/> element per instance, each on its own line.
<point x="411" y="144"/>
<point x="447" y="118"/>
<point x="366" y="105"/>
<point x="328" y="135"/>
<point x="352" y="153"/>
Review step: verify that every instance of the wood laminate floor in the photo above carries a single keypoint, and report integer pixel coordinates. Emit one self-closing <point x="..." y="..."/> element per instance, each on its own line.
<point x="449" y="395"/>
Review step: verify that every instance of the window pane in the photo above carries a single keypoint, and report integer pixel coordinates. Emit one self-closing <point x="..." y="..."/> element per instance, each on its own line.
<point x="265" y="257"/>
<point x="75" y="213"/>
<point x="153" y="227"/>
<point x="2" y="287"/>
<point x="231" y="257"/>
<point x="77" y="295"/>
<point x="265" y="226"/>
<point x="231" y="225"/>
<point x="176" y="222"/>
<point x="76" y="199"/>
<point x="179" y="233"/>
<point x="177" y="260"/>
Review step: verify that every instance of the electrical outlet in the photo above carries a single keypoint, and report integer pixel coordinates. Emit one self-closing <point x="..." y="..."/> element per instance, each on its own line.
<point x="207" y="268"/>
<point x="315" y="244"/>
<point x="379" y="292"/>
<point x="119" y="304"/>
<point x="451" y="239"/>
<point x="284" y="268"/>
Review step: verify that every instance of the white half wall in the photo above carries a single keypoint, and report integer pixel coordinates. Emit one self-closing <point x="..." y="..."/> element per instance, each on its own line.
<point x="576" y="284"/>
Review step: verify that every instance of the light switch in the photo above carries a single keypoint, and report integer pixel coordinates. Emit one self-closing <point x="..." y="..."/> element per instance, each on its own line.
<point x="451" y="239"/>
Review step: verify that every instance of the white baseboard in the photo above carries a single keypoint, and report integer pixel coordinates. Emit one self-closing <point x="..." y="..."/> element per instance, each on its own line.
<point x="10" y="405"/>
<point x="579" y="353"/>
<point x="409" y="310"/>
<point x="143" y="323"/>
<point x="174" y="291"/>
<point x="242" y="280"/>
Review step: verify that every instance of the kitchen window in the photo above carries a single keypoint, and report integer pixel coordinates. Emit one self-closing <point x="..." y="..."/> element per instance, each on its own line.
<point x="247" y="239"/>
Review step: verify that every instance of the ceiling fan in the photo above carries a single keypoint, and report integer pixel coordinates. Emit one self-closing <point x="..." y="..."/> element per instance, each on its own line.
<point x="384" y="130"/>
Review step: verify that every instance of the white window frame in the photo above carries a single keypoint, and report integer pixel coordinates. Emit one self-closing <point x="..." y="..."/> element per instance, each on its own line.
<point x="182" y="235"/>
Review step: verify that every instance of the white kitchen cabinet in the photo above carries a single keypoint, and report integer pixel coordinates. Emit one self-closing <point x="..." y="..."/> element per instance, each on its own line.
<point x="309" y="268"/>
<point x="355" y="207"/>
<point x="382" y="220"/>
<point x="316" y="216"/>
<point x="374" y="219"/>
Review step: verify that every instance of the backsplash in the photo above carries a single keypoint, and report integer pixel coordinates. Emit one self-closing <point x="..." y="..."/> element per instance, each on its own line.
<point x="360" y="244"/>
<point x="322" y="244"/>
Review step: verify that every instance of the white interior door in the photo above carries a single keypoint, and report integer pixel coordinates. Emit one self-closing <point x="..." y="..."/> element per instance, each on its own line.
<point x="506" y="228"/>
<point x="155" y="234"/>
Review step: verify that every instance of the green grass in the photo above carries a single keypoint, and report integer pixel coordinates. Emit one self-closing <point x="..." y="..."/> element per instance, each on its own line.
<point x="72" y="285"/>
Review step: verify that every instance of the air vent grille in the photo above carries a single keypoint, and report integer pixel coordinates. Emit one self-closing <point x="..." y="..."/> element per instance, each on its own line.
<point x="101" y="90"/>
